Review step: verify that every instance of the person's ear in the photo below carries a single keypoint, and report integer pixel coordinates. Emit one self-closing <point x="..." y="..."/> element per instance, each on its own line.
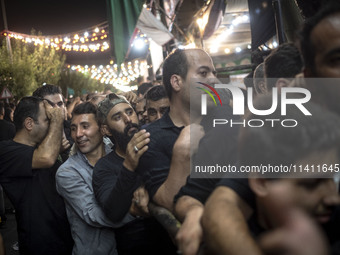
<point x="105" y="130"/>
<point x="261" y="87"/>
<point x="259" y="186"/>
<point x="282" y="82"/>
<point x="176" y="82"/>
<point x="29" y="123"/>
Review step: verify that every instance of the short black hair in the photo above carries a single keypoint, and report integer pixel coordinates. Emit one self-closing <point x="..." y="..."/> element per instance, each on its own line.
<point x="156" y="93"/>
<point x="27" y="107"/>
<point x="175" y="63"/>
<point x="305" y="43"/>
<point x="283" y="62"/>
<point x="85" y="108"/>
<point x="143" y="88"/>
<point x="46" y="90"/>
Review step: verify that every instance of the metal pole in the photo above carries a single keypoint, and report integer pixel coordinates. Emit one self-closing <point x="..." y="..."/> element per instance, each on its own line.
<point x="8" y="42"/>
<point x="279" y="21"/>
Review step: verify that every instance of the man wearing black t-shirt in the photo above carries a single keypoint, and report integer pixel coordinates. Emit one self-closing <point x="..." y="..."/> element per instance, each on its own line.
<point x="27" y="174"/>
<point x="116" y="185"/>
<point x="165" y="165"/>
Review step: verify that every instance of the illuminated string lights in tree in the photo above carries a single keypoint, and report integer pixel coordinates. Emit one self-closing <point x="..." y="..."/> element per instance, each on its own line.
<point x="120" y="78"/>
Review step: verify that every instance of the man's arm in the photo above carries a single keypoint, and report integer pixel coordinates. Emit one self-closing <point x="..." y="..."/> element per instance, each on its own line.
<point x="78" y="194"/>
<point x="180" y="166"/>
<point x="224" y="224"/>
<point x="47" y="152"/>
<point x="189" y="211"/>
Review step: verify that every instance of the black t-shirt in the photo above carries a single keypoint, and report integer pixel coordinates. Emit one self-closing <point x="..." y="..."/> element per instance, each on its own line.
<point x="154" y="164"/>
<point x="113" y="186"/>
<point x="7" y="130"/>
<point x="217" y="147"/>
<point x="40" y="212"/>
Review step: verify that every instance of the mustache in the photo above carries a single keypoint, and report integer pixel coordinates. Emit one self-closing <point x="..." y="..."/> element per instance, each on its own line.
<point x="129" y="126"/>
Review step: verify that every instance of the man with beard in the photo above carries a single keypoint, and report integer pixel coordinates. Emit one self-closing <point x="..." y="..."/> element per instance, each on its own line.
<point x="118" y="188"/>
<point x="91" y="230"/>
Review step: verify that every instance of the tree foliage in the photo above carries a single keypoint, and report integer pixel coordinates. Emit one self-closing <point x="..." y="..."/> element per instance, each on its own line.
<point x="79" y="82"/>
<point x="29" y="67"/>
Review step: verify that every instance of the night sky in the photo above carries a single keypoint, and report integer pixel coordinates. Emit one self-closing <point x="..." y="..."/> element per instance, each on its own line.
<point x="52" y="17"/>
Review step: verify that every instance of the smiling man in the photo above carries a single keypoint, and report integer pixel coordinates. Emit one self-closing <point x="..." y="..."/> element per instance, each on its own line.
<point x="91" y="230"/>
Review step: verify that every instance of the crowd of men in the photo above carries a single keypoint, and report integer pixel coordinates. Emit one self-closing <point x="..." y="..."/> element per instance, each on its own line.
<point x="112" y="175"/>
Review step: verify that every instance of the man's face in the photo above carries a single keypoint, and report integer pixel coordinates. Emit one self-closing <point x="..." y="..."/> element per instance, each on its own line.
<point x="316" y="196"/>
<point x="122" y="124"/>
<point x="201" y="69"/>
<point x="41" y="126"/>
<point x="86" y="133"/>
<point x="156" y="109"/>
<point x="140" y="110"/>
<point x="56" y="100"/>
<point x="325" y="38"/>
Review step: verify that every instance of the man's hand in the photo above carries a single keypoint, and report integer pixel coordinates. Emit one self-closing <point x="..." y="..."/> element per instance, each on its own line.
<point x="188" y="140"/>
<point x="54" y="114"/>
<point x="130" y="96"/>
<point x="190" y="235"/>
<point x="135" y="149"/>
<point x="65" y="144"/>
<point x="140" y="201"/>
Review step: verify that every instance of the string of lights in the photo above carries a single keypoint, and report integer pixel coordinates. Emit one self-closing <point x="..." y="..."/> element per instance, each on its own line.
<point x="110" y="74"/>
<point x="91" y="39"/>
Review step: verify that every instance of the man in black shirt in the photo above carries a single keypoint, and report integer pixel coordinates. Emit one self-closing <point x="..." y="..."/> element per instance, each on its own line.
<point x="165" y="166"/>
<point x="27" y="174"/>
<point x="117" y="186"/>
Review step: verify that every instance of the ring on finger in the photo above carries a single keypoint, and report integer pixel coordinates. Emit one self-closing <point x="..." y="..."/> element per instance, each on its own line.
<point x="135" y="149"/>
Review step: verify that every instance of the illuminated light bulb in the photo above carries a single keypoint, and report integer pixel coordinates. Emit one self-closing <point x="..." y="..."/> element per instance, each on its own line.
<point x="227" y="50"/>
<point x="76" y="36"/>
<point x="139" y="44"/>
<point x="86" y="34"/>
<point x="249" y="46"/>
<point x="96" y="30"/>
<point x="67" y="40"/>
<point x="103" y="31"/>
<point x="238" y="49"/>
<point x="275" y="44"/>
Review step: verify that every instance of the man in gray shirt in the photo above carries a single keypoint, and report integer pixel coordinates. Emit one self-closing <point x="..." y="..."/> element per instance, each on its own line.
<point x="91" y="229"/>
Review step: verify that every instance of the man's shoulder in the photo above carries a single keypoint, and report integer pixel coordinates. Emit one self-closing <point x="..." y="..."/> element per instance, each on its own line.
<point x="154" y="126"/>
<point x="70" y="166"/>
<point x="108" y="160"/>
<point x="14" y="147"/>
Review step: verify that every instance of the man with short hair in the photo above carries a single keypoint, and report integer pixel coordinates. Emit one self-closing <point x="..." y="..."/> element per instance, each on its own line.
<point x="141" y="111"/>
<point x="116" y="184"/>
<point x="165" y="166"/>
<point x="27" y="174"/>
<point x="281" y="66"/>
<point x="53" y="94"/>
<point x="157" y="102"/>
<point x="91" y="230"/>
